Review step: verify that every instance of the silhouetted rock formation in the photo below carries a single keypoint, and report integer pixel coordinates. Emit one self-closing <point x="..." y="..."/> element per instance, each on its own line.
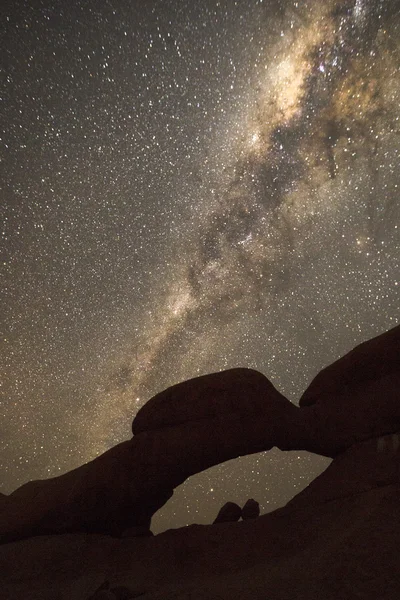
<point x="346" y="524"/>
<point x="367" y="363"/>
<point x="229" y="513"/>
<point x="251" y="510"/>
<point x="137" y="531"/>
<point x="355" y="398"/>
<point x="339" y="538"/>
<point x="125" y="486"/>
<point x="238" y="391"/>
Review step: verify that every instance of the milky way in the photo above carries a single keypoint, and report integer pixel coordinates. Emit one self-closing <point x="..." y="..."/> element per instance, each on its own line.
<point x="190" y="188"/>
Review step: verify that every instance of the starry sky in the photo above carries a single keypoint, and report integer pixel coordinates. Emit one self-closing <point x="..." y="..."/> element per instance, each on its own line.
<point x="189" y="187"/>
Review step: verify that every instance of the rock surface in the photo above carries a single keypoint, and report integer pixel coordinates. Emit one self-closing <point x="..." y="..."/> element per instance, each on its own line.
<point x="339" y="538"/>
<point x="370" y="361"/>
<point x="137" y="531"/>
<point x="104" y="592"/>
<point x="228" y="513"/>
<point x="242" y="391"/>
<point x="125" y="486"/>
<point x="251" y="510"/>
<point x="104" y="595"/>
<point x="354" y="399"/>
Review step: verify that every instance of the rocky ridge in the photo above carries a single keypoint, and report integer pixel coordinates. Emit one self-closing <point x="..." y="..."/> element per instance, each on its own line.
<point x="336" y="539"/>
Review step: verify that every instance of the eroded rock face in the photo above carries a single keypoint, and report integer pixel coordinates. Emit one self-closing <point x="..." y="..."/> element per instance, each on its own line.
<point x="203" y="422"/>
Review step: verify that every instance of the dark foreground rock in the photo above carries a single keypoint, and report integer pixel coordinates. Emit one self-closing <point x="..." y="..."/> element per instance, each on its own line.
<point x="367" y="363"/>
<point x="228" y="513"/>
<point x="125" y="486"/>
<point x="206" y="421"/>
<point x="355" y="398"/>
<point x="251" y="510"/>
<point x="339" y="538"/>
<point x="242" y="391"/>
<point x="105" y="592"/>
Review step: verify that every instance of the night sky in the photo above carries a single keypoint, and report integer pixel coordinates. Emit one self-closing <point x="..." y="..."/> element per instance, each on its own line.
<point x="189" y="186"/>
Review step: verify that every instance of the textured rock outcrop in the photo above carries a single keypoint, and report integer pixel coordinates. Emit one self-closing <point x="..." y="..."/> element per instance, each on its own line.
<point x="205" y="421"/>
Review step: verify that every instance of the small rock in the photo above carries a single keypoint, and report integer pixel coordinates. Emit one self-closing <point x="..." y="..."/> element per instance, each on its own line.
<point x="251" y="510"/>
<point x="229" y="513"/>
